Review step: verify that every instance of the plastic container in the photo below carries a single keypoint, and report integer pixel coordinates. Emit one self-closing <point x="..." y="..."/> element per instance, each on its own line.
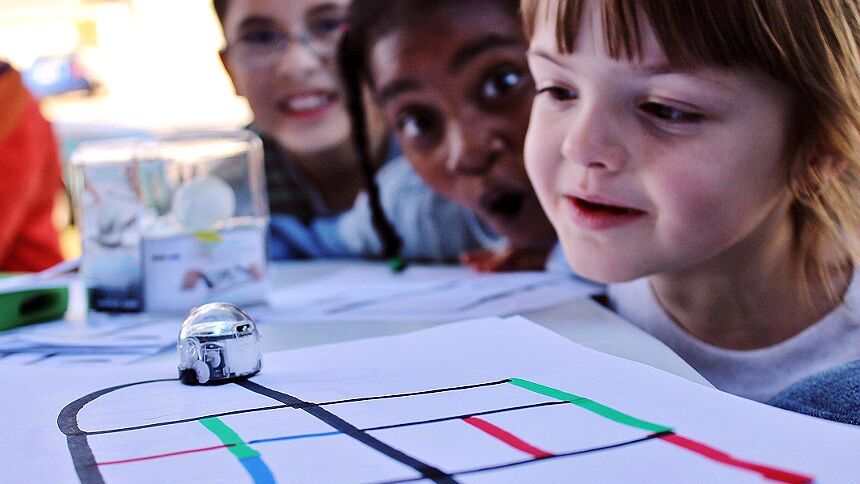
<point x="171" y="222"/>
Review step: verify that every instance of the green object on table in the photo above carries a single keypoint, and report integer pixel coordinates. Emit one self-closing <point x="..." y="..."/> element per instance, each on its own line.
<point x="397" y="264"/>
<point x="27" y="306"/>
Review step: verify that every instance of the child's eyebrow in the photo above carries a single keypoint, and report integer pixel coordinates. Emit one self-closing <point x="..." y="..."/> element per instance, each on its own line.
<point x="545" y="56"/>
<point x="473" y="49"/>
<point x="255" y="21"/>
<point x="394" y="89"/>
<point x="650" y="69"/>
<point x="322" y="8"/>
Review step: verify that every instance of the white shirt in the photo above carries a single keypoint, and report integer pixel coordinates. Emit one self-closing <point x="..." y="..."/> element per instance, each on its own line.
<point x="757" y="374"/>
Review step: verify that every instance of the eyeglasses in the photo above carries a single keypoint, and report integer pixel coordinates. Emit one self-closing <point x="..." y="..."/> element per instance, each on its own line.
<point x="263" y="47"/>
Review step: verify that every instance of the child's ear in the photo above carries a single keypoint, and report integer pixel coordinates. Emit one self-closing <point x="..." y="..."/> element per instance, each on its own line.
<point x="225" y="61"/>
<point x="819" y="168"/>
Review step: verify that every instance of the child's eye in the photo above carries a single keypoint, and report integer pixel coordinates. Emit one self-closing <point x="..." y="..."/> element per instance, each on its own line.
<point x="503" y="81"/>
<point x="558" y="93"/>
<point x="261" y="37"/>
<point x="419" y="125"/>
<point x="668" y="113"/>
<point x="325" y="27"/>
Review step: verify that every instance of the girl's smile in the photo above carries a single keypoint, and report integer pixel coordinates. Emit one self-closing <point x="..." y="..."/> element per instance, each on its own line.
<point x="308" y="106"/>
<point x="281" y="58"/>
<point x="644" y="167"/>
<point x="593" y="213"/>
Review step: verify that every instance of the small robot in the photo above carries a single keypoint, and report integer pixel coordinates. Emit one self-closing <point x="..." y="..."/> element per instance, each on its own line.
<point x="218" y="342"/>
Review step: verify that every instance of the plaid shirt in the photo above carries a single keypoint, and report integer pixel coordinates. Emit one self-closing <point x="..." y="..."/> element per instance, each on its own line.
<point x="290" y="193"/>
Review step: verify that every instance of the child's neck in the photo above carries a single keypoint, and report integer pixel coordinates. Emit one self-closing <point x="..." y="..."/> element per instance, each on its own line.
<point x="335" y="172"/>
<point x="751" y="296"/>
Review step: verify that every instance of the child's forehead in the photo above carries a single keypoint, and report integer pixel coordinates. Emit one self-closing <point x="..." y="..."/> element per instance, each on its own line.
<point x="591" y="39"/>
<point x="639" y="32"/>
<point x="278" y="11"/>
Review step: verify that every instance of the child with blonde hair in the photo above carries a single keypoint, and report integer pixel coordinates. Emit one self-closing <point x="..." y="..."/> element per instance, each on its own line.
<point x="704" y="159"/>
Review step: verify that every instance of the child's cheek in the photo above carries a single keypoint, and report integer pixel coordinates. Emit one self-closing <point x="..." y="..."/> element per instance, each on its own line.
<point x="690" y="209"/>
<point x="541" y="168"/>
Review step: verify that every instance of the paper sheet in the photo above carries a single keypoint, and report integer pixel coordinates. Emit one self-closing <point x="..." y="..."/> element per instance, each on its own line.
<point x="490" y="400"/>
<point x="113" y="339"/>
<point x="427" y="294"/>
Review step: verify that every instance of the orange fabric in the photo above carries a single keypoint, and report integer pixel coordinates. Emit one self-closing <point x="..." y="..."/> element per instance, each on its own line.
<point x="30" y="178"/>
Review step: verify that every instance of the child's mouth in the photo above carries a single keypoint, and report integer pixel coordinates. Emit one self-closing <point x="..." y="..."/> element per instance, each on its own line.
<point x="585" y="205"/>
<point x="597" y="216"/>
<point x="506" y="204"/>
<point x="309" y="105"/>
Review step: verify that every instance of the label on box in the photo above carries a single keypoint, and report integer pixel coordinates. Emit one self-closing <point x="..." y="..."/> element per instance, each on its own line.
<point x="180" y="273"/>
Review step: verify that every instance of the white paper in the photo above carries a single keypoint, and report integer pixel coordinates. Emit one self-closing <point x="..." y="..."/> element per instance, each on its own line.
<point x="427" y="294"/>
<point x="108" y="339"/>
<point x="52" y="277"/>
<point x="153" y="432"/>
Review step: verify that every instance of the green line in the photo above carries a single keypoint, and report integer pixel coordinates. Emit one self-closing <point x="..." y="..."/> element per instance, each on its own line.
<point x="229" y="437"/>
<point x="590" y="405"/>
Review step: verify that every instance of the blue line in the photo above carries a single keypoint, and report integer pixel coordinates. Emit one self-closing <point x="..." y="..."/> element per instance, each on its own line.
<point x="258" y="469"/>
<point x="293" y="437"/>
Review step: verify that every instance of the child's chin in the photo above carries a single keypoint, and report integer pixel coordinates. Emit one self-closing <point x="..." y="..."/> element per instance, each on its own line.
<point x="605" y="272"/>
<point x="308" y="144"/>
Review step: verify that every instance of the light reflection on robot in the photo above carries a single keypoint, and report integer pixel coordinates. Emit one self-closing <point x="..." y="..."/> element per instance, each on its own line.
<point x="218" y="342"/>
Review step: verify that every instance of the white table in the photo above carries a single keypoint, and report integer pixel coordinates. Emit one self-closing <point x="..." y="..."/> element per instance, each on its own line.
<point x="581" y="320"/>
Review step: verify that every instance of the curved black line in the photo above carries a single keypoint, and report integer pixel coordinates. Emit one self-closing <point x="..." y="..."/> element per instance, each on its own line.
<point x="84" y="460"/>
<point x="88" y="472"/>
<point x="68" y="418"/>
<point x="298" y="405"/>
<point x="184" y="420"/>
<point x="426" y="470"/>
<point x="76" y="439"/>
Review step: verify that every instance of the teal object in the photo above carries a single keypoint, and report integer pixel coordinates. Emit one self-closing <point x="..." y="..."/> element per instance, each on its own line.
<point x="29" y="306"/>
<point x="397" y="264"/>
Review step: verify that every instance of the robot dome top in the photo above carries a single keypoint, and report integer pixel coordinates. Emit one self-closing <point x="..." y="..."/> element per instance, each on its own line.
<point x="216" y="319"/>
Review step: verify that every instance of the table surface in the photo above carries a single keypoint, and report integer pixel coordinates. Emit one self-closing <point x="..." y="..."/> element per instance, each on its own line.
<point x="580" y="319"/>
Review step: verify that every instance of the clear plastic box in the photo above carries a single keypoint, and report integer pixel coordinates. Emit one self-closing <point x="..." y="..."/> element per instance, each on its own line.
<point x="171" y="222"/>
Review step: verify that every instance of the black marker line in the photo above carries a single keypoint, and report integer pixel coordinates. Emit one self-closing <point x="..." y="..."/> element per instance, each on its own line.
<point x="540" y="459"/>
<point x="76" y="439"/>
<point x="466" y="415"/>
<point x="89" y="361"/>
<point x="427" y="471"/>
<point x="41" y="359"/>
<point x="411" y="424"/>
<point x="184" y="420"/>
<point x="412" y="394"/>
<point x="299" y="405"/>
<point x="67" y="421"/>
<point x="84" y="460"/>
<point x="386" y="427"/>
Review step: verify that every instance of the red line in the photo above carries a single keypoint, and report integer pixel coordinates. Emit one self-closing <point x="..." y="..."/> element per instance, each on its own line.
<point x="719" y="456"/>
<point x="507" y="437"/>
<point x="159" y="456"/>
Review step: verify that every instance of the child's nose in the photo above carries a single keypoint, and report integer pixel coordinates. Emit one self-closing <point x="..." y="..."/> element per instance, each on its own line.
<point x="298" y="60"/>
<point x="473" y="149"/>
<point x="594" y="139"/>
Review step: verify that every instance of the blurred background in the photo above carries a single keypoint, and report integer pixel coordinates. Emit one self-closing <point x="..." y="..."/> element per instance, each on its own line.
<point x="107" y="68"/>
